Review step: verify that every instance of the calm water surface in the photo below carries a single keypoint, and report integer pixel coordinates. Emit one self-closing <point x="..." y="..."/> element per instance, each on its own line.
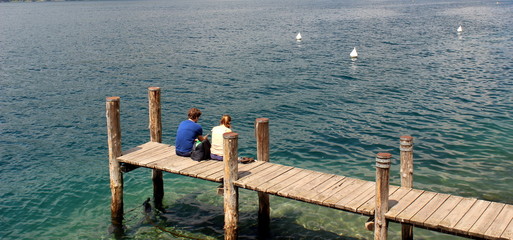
<point x="415" y="76"/>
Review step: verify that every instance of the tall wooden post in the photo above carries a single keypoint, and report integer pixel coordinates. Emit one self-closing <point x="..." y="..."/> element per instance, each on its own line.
<point x="382" y="187"/>
<point x="262" y="140"/>
<point x="231" y="192"/>
<point x="406" y="147"/>
<point x="116" y="177"/>
<point x="155" y="126"/>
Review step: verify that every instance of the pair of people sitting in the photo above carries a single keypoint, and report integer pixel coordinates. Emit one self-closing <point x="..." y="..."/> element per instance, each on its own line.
<point x="189" y="130"/>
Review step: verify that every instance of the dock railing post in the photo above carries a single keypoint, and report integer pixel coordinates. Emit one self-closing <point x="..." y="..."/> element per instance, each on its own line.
<point x="231" y="192"/>
<point x="262" y="140"/>
<point x="406" y="149"/>
<point x="382" y="187"/>
<point x="116" y="176"/>
<point x="155" y="126"/>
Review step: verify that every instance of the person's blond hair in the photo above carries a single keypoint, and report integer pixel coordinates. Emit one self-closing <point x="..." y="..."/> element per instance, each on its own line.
<point x="226" y="121"/>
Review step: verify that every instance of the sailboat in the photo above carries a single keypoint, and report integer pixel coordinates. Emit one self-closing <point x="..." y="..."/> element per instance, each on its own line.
<point x="298" y="37"/>
<point x="460" y="29"/>
<point x="354" y="54"/>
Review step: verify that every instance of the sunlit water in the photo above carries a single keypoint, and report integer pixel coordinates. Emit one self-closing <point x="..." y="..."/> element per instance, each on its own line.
<point x="415" y="75"/>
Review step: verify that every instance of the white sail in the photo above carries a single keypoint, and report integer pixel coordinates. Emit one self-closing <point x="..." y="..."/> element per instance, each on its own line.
<point x="354" y="54"/>
<point x="298" y="37"/>
<point x="460" y="29"/>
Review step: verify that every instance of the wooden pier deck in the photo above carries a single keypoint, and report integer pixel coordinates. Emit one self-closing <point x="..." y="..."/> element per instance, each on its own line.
<point x="446" y="213"/>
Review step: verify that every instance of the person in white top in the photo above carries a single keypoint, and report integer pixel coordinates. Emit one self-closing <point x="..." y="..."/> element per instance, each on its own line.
<point x="216" y="151"/>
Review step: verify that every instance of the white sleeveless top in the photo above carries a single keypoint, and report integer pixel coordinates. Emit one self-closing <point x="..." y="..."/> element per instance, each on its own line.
<point x="217" y="139"/>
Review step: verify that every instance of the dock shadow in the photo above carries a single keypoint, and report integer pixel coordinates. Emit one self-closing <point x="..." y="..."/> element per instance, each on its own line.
<point x="188" y="214"/>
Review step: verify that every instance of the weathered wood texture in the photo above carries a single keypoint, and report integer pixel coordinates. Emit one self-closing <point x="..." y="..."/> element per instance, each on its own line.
<point x="382" y="195"/>
<point x="155" y="126"/>
<point x="114" y="143"/>
<point x="435" y="211"/>
<point x="262" y="139"/>
<point x="406" y="156"/>
<point x="231" y="192"/>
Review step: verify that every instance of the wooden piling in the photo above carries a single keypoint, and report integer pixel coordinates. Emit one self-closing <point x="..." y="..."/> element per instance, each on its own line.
<point x="116" y="177"/>
<point x="406" y="149"/>
<point x="231" y="192"/>
<point x="262" y="139"/>
<point x="155" y="126"/>
<point x="381" y="200"/>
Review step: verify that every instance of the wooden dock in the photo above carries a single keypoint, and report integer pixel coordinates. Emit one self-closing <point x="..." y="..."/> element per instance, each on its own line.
<point x="468" y="217"/>
<point x="436" y="211"/>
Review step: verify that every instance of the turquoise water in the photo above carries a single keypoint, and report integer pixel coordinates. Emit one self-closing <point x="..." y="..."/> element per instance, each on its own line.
<point x="415" y="76"/>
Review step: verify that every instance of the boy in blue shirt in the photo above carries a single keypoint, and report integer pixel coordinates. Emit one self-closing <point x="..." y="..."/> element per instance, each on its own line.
<point x="188" y="131"/>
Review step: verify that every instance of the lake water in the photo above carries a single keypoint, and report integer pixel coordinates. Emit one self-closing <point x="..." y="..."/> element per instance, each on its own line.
<point x="415" y="75"/>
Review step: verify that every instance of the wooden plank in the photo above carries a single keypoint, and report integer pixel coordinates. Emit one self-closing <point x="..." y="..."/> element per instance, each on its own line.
<point x="243" y="169"/>
<point x="300" y="185"/>
<point x="330" y="182"/>
<point x="403" y="203"/>
<point x="217" y="166"/>
<point x="177" y="165"/>
<point x="299" y="191"/>
<point x="140" y="160"/>
<point x="396" y="196"/>
<point x="457" y="213"/>
<point x="275" y="189"/>
<point x="154" y="146"/>
<point x="415" y="207"/>
<point x="200" y="167"/>
<point x="508" y="233"/>
<point x="367" y="208"/>
<point x="262" y="172"/>
<point x="333" y="189"/>
<point x="253" y="184"/>
<point x="421" y="216"/>
<point x="347" y="194"/>
<point x="164" y="153"/>
<point x="484" y="222"/>
<point x="166" y="164"/>
<point x="442" y="211"/>
<point x="500" y="223"/>
<point x="141" y="147"/>
<point x="265" y="186"/>
<point x="471" y="217"/>
<point x="354" y="204"/>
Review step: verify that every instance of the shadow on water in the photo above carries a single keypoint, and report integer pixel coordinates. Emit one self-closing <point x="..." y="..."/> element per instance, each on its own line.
<point x="188" y="218"/>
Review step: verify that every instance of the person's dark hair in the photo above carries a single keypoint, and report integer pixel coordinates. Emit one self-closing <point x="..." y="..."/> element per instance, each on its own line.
<point x="226" y="120"/>
<point x="194" y="113"/>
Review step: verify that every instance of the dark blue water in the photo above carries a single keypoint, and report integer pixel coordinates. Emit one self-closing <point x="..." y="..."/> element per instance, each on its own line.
<point x="415" y="76"/>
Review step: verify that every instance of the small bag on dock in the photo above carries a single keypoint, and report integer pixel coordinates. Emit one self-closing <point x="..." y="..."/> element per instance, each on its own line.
<point x="201" y="151"/>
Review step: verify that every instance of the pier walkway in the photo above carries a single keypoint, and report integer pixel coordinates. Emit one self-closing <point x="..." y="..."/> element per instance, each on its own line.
<point x="451" y="214"/>
<point x="468" y="217"/>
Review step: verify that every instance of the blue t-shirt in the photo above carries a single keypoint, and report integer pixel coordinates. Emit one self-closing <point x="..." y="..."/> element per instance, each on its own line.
<point x="185" y="135"/>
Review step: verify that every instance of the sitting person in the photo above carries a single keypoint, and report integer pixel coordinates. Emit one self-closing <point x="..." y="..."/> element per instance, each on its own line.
<point x="216" y="151"/>
<point x="188" y="131"/>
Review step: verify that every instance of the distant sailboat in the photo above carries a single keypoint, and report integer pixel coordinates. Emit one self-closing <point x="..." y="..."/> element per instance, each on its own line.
<point x="298" y="37"/>
<point x="354" y="54"/>
<point x="460" y="29"/>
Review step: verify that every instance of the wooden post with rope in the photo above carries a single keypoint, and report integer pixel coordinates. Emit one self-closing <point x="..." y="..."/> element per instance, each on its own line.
<point x="262" y="140"/>
<point x="116" y="176"/>
<point x="231" y="192"/>
<point x="155" y="126"/>
<point x="381" y="199"/>
<point x="406" y="148"/>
